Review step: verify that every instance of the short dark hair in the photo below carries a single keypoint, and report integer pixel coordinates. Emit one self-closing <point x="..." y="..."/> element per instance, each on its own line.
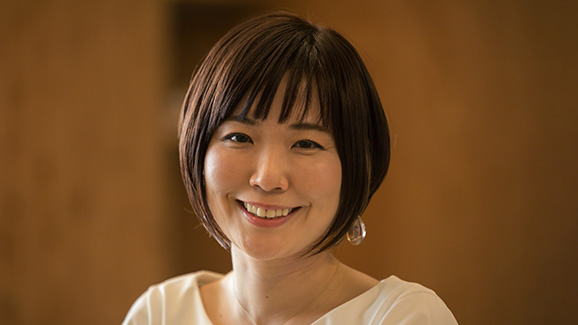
<point x="248" y="64"/>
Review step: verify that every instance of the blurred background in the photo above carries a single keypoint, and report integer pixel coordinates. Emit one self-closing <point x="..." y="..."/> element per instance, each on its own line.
<point x="481" y="202"/>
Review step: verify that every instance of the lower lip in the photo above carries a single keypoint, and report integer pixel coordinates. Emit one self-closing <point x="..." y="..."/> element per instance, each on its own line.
<point x="265" y="223"/>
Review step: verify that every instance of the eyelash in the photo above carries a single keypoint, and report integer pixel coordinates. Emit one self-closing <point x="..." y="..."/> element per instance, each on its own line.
<point x="234" y="137"/>
<point x="314" y="145"/>
<point x="243" y="138"/>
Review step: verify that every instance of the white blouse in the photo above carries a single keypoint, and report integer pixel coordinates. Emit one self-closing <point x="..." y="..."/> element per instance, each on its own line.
<point x="391" y="301"/>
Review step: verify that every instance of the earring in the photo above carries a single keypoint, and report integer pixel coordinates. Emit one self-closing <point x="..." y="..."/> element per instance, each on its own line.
<point x="356" y="234"/>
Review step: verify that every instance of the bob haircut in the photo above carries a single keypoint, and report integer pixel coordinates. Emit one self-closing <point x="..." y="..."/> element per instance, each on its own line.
<point x="247" y="64"/>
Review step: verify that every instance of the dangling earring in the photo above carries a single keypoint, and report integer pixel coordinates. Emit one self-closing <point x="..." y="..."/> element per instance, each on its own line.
<point x="356" y="234"/>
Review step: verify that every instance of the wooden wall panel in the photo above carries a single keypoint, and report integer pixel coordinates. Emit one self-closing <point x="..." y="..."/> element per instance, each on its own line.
<point x="81" y="227"/>
<point x="480" y="203"/>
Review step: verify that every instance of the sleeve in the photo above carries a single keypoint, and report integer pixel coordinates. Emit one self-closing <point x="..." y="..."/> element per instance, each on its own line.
<point x="175" y="301"/>
<point x="423" y="308"/>
<point x="139" y="313"/>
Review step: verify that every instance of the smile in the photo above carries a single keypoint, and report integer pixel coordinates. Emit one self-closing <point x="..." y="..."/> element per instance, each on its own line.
<point x="266" y="213"/>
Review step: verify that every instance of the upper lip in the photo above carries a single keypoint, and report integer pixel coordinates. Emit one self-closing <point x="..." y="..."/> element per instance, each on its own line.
<point x="268" y="206"/>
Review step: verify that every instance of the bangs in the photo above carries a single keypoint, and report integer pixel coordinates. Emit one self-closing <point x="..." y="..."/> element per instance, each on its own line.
<point x="282" y="55"/>
<point x="299" y="93"/>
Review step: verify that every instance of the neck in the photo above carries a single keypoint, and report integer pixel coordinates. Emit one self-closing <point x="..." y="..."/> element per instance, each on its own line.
<point x="273" y="291"/>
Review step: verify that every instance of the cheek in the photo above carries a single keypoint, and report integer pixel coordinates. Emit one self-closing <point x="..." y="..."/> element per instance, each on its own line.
<point x="221" y="174"/>
<point x="330" y="177"/>
<point x="324" y="181"/>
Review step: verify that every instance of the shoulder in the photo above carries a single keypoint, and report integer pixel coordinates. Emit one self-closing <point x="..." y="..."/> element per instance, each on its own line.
<point x="182" y="285"/>
<point x="392" y="301"/>
<point x="402" y="302"/>
<point x="171" y="300"/>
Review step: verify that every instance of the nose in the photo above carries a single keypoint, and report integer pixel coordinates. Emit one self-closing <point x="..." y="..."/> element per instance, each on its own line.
<point x="270" y="173"/>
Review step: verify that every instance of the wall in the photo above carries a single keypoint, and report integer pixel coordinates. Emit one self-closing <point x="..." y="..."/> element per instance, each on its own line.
<point x="81" y="220"/>
<point x="480" y="203"/>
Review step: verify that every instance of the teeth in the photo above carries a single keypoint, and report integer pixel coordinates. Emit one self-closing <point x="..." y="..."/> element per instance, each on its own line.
<point x="267" y="214"/>
<point x="261" y="212"/>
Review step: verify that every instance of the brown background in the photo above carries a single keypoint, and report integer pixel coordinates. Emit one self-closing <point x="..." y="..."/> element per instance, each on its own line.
<point x="481" y="203"/>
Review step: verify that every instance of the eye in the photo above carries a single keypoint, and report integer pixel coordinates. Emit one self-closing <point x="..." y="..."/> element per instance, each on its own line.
<point x="307" y="144"/>
<point x="238" y="138"/>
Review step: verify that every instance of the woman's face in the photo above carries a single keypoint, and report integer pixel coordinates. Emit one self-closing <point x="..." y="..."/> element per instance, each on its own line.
<point x="273" y="188"/>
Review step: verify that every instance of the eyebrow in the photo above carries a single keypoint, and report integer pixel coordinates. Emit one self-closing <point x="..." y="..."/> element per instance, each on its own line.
<point x="294" y="126"/>
<point x="308" y="126"/>
<point x="242" y="119"/>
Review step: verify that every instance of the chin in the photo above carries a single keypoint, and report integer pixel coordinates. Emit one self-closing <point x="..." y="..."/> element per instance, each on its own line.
<point x="266" y="250"/>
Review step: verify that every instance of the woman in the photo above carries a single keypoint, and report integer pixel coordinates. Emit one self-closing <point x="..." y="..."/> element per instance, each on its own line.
<point x="283" y="141"/>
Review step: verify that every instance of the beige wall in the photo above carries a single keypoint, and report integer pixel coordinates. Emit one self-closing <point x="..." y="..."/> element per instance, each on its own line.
<point x="480" y="203"/>
<point x="80" y="198"/>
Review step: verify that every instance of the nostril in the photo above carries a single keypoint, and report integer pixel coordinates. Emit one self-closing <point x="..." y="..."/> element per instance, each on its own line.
<point x="269" y="182"/>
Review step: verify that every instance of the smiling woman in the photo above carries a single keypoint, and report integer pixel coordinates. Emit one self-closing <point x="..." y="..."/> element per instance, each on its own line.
<point x="284" y="177"/>
<point x="283" y="142"/>
<point x="318" y="68"/>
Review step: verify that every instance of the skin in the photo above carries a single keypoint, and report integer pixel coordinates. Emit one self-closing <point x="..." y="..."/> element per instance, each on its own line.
<point x="293" y="165"/>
